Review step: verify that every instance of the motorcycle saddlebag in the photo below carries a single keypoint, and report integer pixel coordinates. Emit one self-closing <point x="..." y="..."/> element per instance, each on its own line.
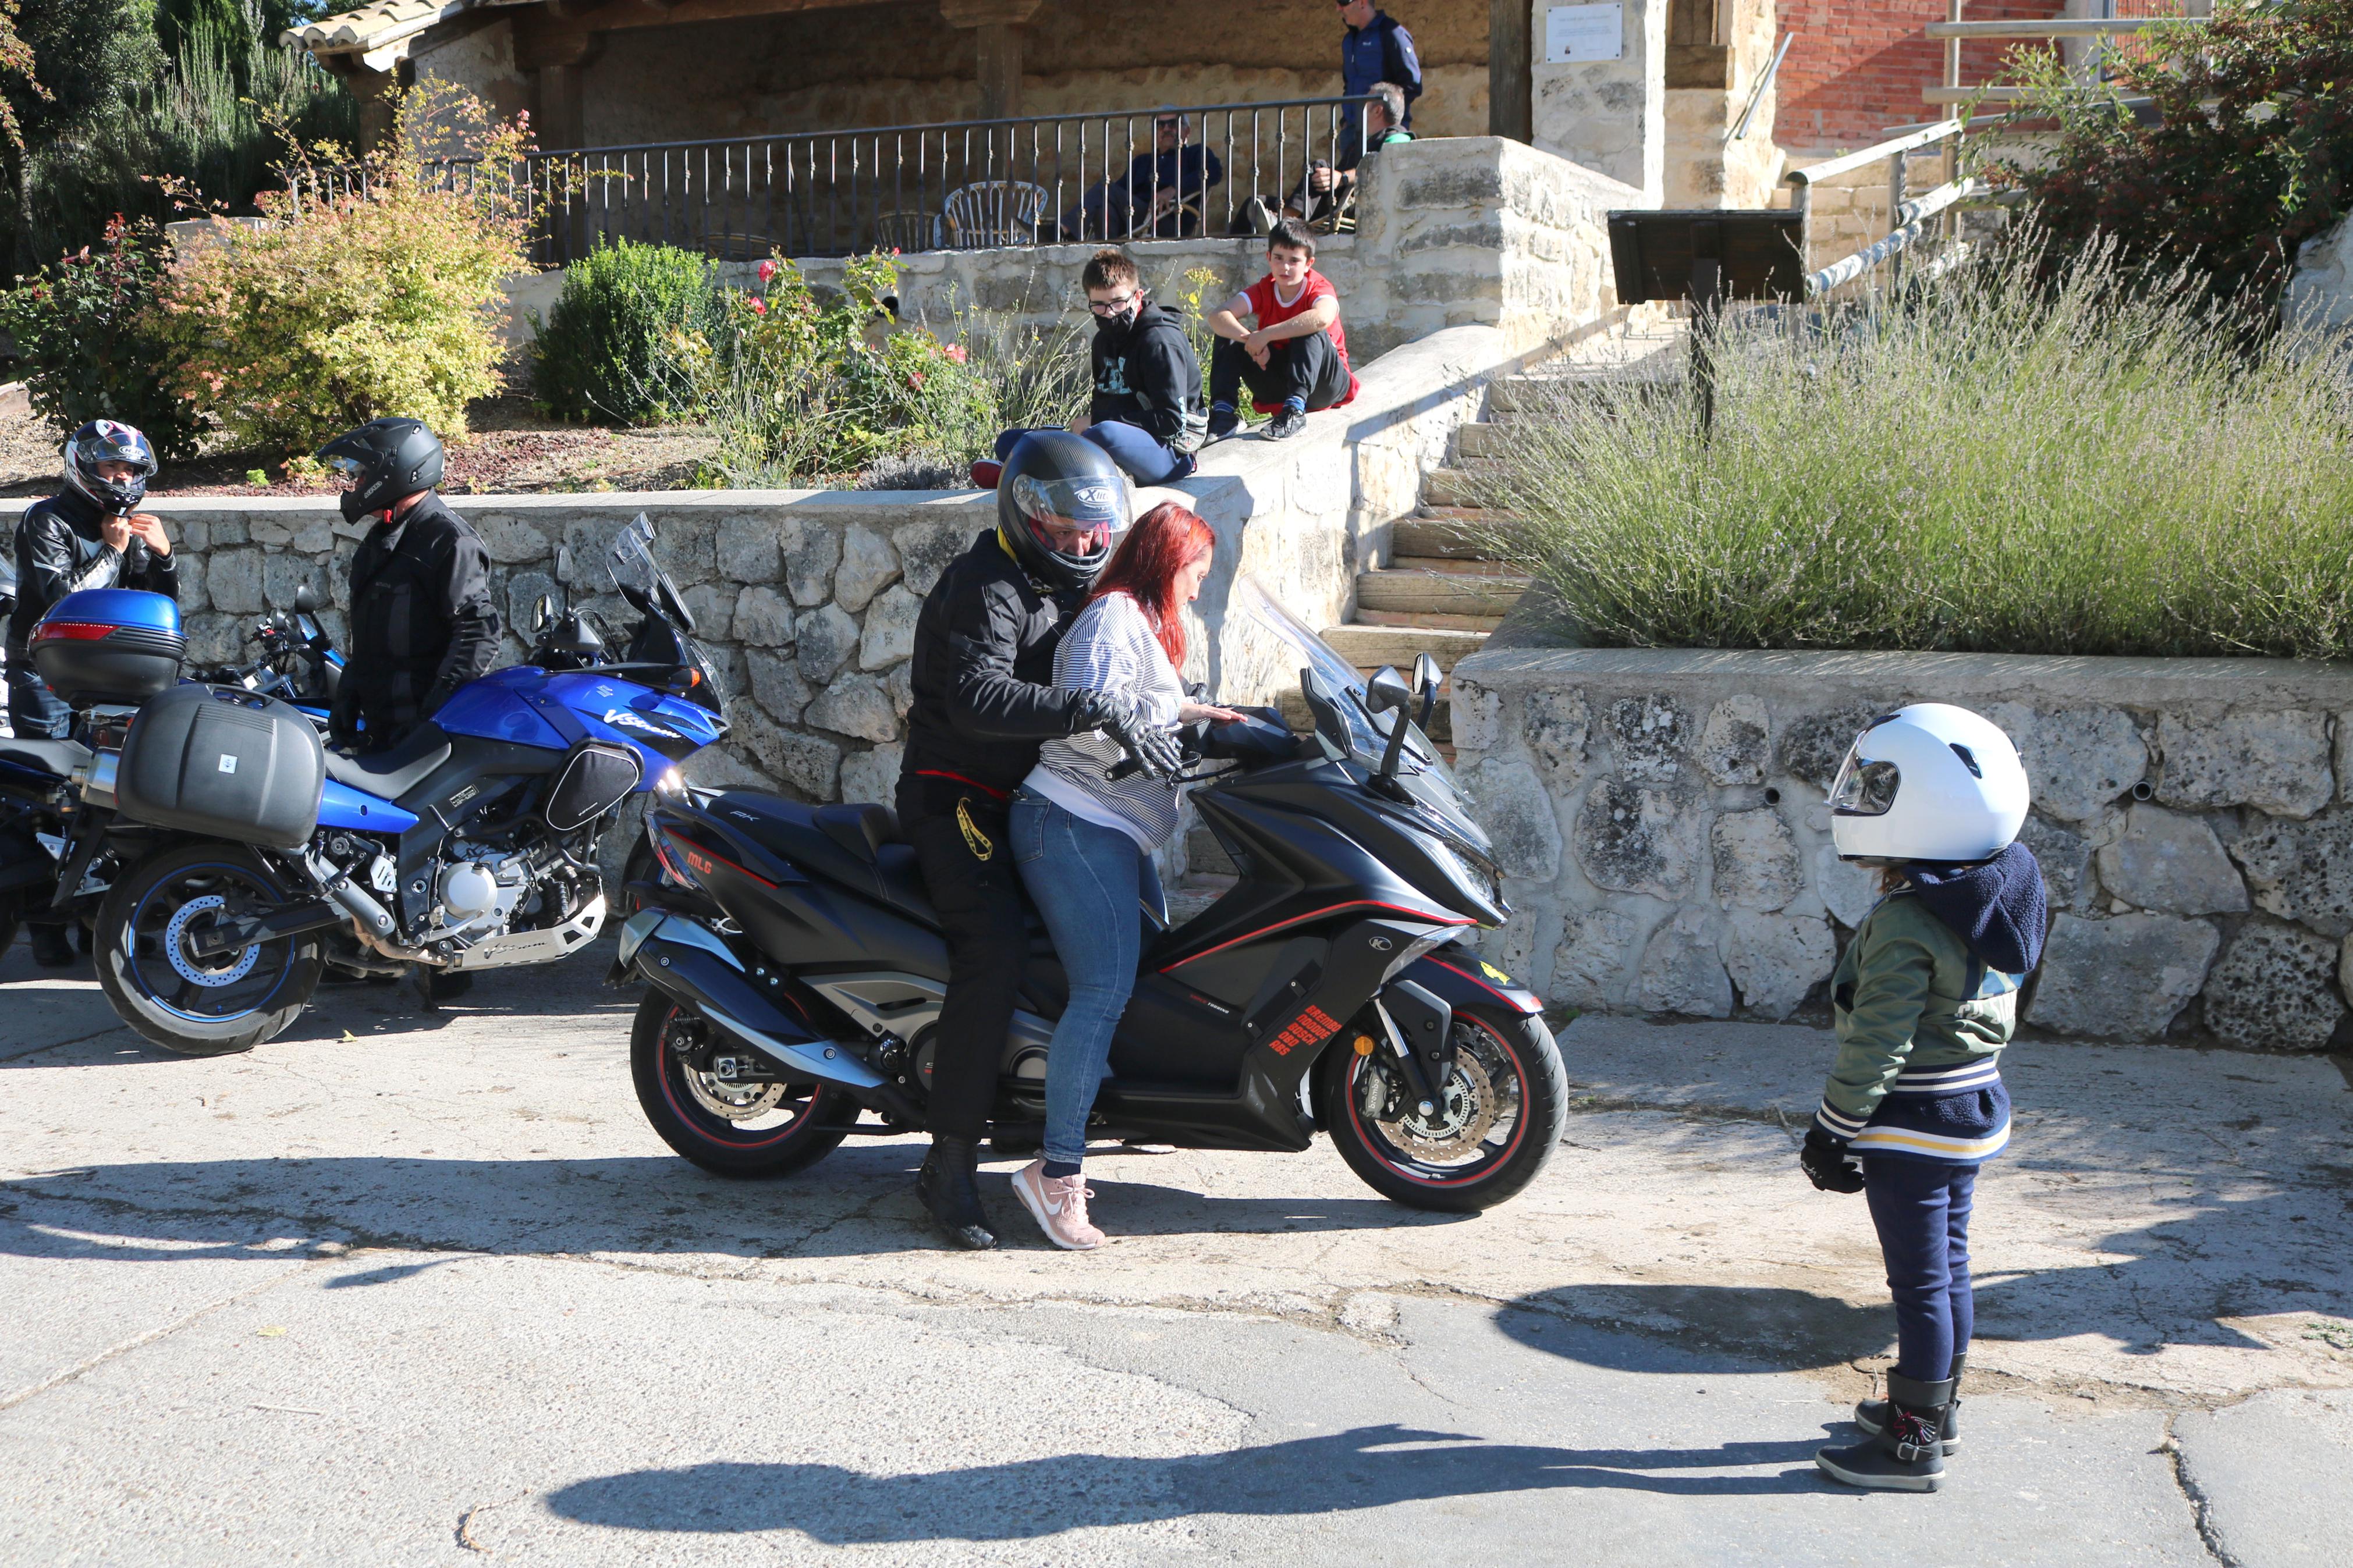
<point x="597" y="776"/>
<point x="224" y="763"/>
<point x="109" y="644"/>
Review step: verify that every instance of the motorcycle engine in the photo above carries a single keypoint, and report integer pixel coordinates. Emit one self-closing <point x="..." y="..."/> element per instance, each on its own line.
<point x="478" y="894"/>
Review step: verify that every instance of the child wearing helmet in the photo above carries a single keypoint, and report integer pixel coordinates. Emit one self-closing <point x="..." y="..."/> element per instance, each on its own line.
<point x="1925" y="998"/>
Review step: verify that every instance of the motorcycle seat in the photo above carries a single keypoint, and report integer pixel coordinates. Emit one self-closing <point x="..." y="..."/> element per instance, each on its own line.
<point x="391" y="774"/>
<point x="862" y="828"/>
<point x="59" y="757"/>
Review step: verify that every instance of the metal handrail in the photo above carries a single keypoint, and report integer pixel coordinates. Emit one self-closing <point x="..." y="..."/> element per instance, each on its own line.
<point x="1764" y="86"/>
<point x="1814" y="173"/>
<point x="2060" y="27"/>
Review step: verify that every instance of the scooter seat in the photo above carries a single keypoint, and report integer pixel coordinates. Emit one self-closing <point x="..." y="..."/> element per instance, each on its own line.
<point x="390" y="775"/>
<point x="864" y="829"/>
<point x="35" y="755"/>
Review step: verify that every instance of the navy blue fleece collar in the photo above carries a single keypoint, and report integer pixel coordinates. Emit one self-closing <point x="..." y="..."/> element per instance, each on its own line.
<point x="1994" y="906"/>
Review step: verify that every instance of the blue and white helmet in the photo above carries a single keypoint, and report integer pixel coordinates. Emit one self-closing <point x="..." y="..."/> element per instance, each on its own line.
<point x="108" y="441"/>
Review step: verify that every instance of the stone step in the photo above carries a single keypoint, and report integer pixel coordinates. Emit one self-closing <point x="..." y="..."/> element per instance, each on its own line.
<point x="1482" y="440"/>
<point x="1426" y="620"/>
<point x="1433" y="592"/>
<point x="1369" y="647"/>
<point x="1459" y="533"/>
<point x="1449" y="487"/>
<point x="1455" y="565"/>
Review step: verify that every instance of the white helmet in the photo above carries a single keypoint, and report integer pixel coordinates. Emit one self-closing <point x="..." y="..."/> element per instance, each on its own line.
<point x="1930" y="782"/>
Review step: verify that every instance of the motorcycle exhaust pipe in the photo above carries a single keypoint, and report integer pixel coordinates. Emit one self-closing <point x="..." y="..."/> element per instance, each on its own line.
<point x="688" y="962"/>
<point x="349" y="895"/>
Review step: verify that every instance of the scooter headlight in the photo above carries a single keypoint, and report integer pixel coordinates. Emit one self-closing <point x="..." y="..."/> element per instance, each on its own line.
<point x="1478" y="878"/>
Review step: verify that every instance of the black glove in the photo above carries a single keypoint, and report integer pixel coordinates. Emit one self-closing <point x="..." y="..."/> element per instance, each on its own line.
<point x="1121" y="717"/>
<point x="343" y="718"/>
<point x="1828" y="1165"/>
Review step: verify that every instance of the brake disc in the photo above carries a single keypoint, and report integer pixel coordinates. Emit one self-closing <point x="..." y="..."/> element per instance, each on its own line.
<point x="733" y="1102"/>
<point x="232" y="967"/>
<point x="1457" y="1126"/>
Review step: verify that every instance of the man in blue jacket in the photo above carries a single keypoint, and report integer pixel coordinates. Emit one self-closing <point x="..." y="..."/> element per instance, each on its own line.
<point x="1377" y="49"/>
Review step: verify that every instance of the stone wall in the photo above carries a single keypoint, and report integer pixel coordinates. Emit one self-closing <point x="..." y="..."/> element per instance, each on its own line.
<point x="1663" y="816"/>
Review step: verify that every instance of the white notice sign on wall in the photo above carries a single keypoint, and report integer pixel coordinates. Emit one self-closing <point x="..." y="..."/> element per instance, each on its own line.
<point x="1574" y="34"/>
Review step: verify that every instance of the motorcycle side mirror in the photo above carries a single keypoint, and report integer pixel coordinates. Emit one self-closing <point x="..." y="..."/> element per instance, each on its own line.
<point x="542" y="613"/>
<point x="1387" y="692"/>
<point x="306" y="603"/>
<point x="1426" y="679"/>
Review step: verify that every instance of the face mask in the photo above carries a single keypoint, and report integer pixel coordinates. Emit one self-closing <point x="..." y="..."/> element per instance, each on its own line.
<point x="352" y="506"/>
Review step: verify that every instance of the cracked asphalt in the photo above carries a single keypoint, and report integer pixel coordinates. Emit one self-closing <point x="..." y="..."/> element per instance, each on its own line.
<point x="395" y="1289"/>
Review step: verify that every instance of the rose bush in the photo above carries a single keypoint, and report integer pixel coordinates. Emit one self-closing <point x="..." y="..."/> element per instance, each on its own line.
<point x="89" y="338"/>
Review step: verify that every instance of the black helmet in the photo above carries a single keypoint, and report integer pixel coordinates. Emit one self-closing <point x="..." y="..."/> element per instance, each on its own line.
<point x="387" y="459"/>
<point x="1057" y="477"/>
<point x="108" y="441"/>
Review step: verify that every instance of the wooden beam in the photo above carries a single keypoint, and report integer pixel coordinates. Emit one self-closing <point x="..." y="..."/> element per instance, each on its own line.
<point x="999" y="69"/>
<point x="1509" y="74"/>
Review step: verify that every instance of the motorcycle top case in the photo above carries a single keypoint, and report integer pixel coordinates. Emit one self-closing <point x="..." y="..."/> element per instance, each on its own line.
<point x="110" y="644"/>
<point x="223" y="763"/>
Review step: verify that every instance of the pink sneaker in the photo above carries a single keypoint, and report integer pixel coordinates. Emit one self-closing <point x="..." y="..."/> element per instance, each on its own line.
<point x="1060" y="1204"/>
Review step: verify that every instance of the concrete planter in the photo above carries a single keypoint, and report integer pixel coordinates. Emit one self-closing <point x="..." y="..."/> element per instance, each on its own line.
<point x="1663" y="818"/>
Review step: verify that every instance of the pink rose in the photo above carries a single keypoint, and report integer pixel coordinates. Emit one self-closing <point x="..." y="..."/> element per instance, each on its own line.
<point x="768" y="271"/>
<point x="761" y="306"/>
<point x="914" y="378"/>
<point x="957" y="353"/>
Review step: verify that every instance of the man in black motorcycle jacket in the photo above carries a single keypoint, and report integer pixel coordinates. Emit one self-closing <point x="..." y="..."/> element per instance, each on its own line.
<point x="91" y="534"/>
<point x="984" y="700"/>
<point x="423" y="620"/>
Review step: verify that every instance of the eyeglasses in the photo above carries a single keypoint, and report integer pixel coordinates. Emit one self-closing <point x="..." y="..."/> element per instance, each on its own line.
<point x="1111" y="307"/>
<point x="1168" y="125"/>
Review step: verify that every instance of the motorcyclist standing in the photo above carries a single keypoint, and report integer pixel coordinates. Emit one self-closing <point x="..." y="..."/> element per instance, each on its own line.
<point x="89" y="534"/>
<point x="984" y="702"/>
<point x="423" y="620"/>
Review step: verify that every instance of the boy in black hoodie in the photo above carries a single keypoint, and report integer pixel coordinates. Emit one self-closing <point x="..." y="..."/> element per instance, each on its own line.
<point x="1147" y="411"/>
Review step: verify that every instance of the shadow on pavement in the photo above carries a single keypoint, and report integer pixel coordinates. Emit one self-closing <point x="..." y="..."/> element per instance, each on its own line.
<point x="1368" y="1467"/>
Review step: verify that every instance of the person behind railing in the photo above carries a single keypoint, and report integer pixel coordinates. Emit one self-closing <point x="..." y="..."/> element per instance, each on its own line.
<point x="1376" y="49"/>
<point x="1296" y="359"/>
<point x="1146" y="410"/>
<point x="1162" y="194"/>
<point x="1325" y="193"/>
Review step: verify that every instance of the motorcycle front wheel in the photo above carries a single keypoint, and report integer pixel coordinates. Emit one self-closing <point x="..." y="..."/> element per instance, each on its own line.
<point x="729" y="1128"/>
<point x="158" y="984"/>
<point x="1497" y="1119"/>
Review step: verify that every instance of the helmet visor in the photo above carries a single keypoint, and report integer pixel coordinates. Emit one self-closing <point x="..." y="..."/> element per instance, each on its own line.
<point x="1864" y="788"/>
<point x="1073" y="517"/>
<point x="109" y="442"/>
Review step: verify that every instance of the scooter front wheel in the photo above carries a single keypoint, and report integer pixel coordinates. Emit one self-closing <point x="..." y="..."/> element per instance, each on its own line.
<point x="729" y="1125"/>
<point x="1495" y="1121"/>
<point x="200" y="1005"/>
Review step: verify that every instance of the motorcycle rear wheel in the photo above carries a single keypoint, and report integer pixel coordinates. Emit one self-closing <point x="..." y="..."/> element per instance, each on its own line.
<point x="690" y="1108"/>
<point x="199" y="1007"/>
<point x="1506" y="1102"/>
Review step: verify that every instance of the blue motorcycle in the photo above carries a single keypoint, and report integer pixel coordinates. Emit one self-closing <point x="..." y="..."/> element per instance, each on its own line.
<point x="253" y="856"/>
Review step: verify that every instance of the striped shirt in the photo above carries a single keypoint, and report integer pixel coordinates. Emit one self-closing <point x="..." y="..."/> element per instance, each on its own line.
<point x="1111" y="648"/>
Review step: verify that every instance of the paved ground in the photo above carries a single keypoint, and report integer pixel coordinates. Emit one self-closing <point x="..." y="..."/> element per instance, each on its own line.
<point x="418" y="1291"/>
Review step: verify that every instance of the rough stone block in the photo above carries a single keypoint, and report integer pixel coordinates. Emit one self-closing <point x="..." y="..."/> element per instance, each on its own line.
<point x="1517" y="814"/>
<point x="2277" y="763"/>
<point x="192" y="579"/>
<point x="2077" y="759"/>
<point x="889" y="635"/>
<point x="2300" y="871"/>
<point x="1756" y="860"/>
<point x="512" y="541"/>
<point x="1813" y="746"/>
<point x="854" y="705"/>
<point x="873" y="776"/>
<point x="1475" y="711"/>
<point x="2064" y="856"/>
<point x="1682" y="970"/>
<point x="2173" y="864"/>
<point x="748" y="549"/>
<point x="810" y="551"/>
<point x="1650" y="737"/>
<point x="867" y="564"/>
<point x="2275" y="990"/>
<point x="764" y="618"/>
<point x="712" y="605"/>
<point x="2123" y="979"/>
<point x="1735" y="743"/>
<point x="926" y="549"/>
<point x="808" y="763"/>
<point x="233" y="582"/>
<point x="1588" y="968"/>
<point x="901" y="684"/>
<point x="1555" y="723"/>
<point x="1847" y="891"/>
<point x="827" y="637"/>
<point x="776" y="684"/>
<point x="1776" y="959"/>
<point x="1630" y="840"/>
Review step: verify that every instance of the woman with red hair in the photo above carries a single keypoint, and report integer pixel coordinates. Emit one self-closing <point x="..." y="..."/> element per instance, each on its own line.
<point x="1083" y="843"/>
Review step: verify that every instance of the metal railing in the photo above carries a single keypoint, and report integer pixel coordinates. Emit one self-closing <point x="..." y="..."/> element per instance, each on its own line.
<point x="2089" y="67"/>
<point x="1099" y="176"/>
<point x="1908" y="218"/>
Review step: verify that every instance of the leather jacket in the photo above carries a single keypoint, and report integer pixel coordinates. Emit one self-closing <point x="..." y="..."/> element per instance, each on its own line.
<point x="60" y="551"/>
<point x="423" y="619"/>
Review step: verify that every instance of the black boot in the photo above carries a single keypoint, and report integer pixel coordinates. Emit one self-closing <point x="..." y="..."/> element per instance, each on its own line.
<point x="1871" y="1414"/>
<point x="946" y="1184"/>
<point x="1903" y="1456"/>
<point x="51" y="949"/>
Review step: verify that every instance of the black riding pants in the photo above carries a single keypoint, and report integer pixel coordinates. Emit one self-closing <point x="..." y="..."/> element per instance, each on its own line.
<point x="960" y="838"/>
<point x="1307" y="368"/>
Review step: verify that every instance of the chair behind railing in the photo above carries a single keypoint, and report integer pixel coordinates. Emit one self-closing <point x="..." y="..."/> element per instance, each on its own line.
<point x="988" y="212"/>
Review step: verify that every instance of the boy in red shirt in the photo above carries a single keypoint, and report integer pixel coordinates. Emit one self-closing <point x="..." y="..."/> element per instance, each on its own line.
<point x="1295" y="358"/>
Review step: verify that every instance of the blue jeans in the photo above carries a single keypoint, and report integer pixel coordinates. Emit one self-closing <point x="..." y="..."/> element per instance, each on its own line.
<point x="1131" y="446"/>
<point x="35" y="712"/>
<point x="1921" y="1210"/>
<point x="1088" y="882"/>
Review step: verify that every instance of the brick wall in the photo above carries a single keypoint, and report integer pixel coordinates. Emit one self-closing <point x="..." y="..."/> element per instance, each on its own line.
<point x="1858" y="66"/>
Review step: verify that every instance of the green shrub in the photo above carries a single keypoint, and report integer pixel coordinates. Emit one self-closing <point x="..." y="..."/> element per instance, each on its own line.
<point x="606" y="351"/>
<point x="2249" y="150"/>
<point x="345" y="307"/>
<point x="2088" y="464"/>
<point x="90" y="340"/>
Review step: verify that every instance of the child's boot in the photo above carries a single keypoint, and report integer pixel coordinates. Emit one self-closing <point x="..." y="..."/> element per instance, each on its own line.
<point x="1871" y="1414"/>
<point x="1906" y="1454"/>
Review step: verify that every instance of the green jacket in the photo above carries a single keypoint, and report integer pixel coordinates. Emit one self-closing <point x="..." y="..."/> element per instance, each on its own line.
<point x="1918" y="1016"/>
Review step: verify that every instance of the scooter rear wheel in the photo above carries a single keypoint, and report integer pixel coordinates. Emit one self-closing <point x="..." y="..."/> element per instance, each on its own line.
<point x="1504" y="1104"/>
<point x="747" y="1130"/>
<point x="200" y="1005"/>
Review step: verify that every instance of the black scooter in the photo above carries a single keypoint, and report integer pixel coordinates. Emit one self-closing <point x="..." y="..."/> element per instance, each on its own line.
<point x="795" y="972"/>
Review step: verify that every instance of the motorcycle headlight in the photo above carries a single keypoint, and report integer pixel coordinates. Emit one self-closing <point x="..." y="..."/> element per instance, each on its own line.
<point x="1480" y="880"/>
